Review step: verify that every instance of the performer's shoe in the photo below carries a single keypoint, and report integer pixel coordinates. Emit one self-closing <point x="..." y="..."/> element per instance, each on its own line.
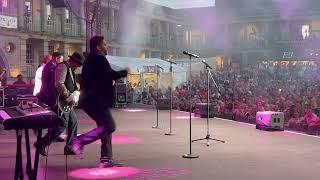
<point x="108" y="163"/>
<point x="42" y="149"/>
<point x="76" y="146"/>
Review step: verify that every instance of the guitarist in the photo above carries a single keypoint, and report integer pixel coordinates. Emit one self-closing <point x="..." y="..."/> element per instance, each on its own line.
<point x="68" y="93"/>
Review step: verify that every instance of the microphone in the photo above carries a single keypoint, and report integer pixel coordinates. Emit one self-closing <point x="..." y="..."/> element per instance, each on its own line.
<point x="205" y="63"/>
<point x="159" y="67"/>
<point x="171" y="62"/>
<point x="190" y="54"/>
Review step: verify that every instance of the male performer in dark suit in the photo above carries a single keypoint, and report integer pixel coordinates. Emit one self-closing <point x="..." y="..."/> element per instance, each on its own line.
<point x="98" y="92"/>
<point x="65" y="90"/>
<point x="47" y="94"/>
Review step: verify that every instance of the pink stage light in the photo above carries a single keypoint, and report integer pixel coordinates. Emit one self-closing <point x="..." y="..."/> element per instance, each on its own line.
<point x="157" y="173"/>
<point x="122" y="139"/>
<point x="103" y="173"/>
<point x="134" y="110"/>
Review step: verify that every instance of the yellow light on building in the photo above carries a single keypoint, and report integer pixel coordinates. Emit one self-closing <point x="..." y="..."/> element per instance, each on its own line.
<point x="14" y="72"/>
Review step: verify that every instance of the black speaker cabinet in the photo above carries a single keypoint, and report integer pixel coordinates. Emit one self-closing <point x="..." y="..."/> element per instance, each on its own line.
<point x="164" y="104"/>
<point x="121" y="93"/>
<point x="201" y="110"/>
<point x="2" y="97"/>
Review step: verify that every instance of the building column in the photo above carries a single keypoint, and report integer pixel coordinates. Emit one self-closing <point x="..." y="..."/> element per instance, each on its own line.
<point x="285" y="31"/>
<point x="64" y="49"/>
<point x="158" y="41"/>
<point x="43" y="15"/>
<point x="149" y="54"/>
<point x="245" y="60"/>
<point x="45" y="47"/>
<point x="17" y="67"/>
<point x="63" y="21"/>
<point x="167" y="34"/>
<point x="226" y="38"/>
<point x="82" y="23"/>
<point x="112" y="20"/>
<point x="204" y="40"/>
<point x="21" y="15"/>
<point x="114" y="51"/>
<point x="83" y="48"/>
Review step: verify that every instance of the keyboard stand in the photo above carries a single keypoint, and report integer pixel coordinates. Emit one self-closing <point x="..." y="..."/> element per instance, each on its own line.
<point x="32" y="173"/>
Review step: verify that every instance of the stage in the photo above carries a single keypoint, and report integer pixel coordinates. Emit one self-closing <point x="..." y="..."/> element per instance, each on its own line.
<point x="149" y="154"/>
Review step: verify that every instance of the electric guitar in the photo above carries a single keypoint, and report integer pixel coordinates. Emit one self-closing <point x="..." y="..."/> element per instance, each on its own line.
<point x="65" y="106"/>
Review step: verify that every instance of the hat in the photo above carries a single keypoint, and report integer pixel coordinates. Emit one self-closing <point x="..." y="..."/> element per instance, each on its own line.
<point x="77" y="57"/>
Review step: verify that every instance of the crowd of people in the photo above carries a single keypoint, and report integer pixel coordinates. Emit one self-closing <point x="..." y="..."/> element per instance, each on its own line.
<point x="289" y="88"/>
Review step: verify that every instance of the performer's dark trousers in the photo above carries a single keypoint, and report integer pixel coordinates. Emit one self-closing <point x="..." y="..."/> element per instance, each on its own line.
<point x="105" y="127"/>
<point x="67" y="120"/>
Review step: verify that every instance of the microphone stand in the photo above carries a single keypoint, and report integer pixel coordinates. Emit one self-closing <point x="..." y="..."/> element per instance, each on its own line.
<point x="190" y="155"/>
<point x="170" y="133"/>
<point x="157" y="106"/>
<point x="208" y="136"/>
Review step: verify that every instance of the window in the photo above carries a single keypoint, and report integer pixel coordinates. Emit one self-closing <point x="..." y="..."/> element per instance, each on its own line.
<point x="305" y="30"/>
<point x="51" y="49"/>
<point x="27" y="6"/>
<point x="49" y="13"/>
<point x="67" y="16"/>
<point x="69" y="51"/>
<point x="3" y="5"/>
<point x="29" y="54"/>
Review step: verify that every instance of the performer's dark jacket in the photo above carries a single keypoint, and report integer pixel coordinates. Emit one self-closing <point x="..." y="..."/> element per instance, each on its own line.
<point x="48" y="92"/>
<point x="97" y="81"/>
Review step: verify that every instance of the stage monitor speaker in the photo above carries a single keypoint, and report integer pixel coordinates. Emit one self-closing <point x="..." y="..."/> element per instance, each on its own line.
<point x="58" y="3"/>
<point x="2" y="99"/>
<point x="269" y="120"/>
<point x="201" y="110"/>
<point x="164" y="104"/>
<point x="121" y="93"/>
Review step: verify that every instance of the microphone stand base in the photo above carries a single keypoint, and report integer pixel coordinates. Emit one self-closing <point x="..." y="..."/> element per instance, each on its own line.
<point x="190" y="156"/>
<point x="169" y="134"/>
<point x="155" y="127"/>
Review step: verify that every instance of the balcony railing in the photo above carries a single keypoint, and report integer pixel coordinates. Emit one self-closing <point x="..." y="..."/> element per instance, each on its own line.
<point x="250" y="44"/>
<point x="73" y="30"/>
<point x="53" y="27"/>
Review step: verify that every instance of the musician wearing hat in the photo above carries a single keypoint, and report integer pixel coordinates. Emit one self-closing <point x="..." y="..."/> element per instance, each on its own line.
<point x="67" y="97"/>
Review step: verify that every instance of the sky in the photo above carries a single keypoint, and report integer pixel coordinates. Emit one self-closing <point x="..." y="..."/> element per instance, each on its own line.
<point x="181" y="4"/>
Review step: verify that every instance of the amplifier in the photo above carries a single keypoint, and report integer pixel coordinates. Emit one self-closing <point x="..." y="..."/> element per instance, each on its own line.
<point x="164" y="104"/>
<point x="120" y="94"/>
<point x="269" y="120"/>
<point x="201" y="110"/>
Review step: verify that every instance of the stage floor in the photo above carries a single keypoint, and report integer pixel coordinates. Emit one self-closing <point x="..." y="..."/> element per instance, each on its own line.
<point x="149" y="154"/>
